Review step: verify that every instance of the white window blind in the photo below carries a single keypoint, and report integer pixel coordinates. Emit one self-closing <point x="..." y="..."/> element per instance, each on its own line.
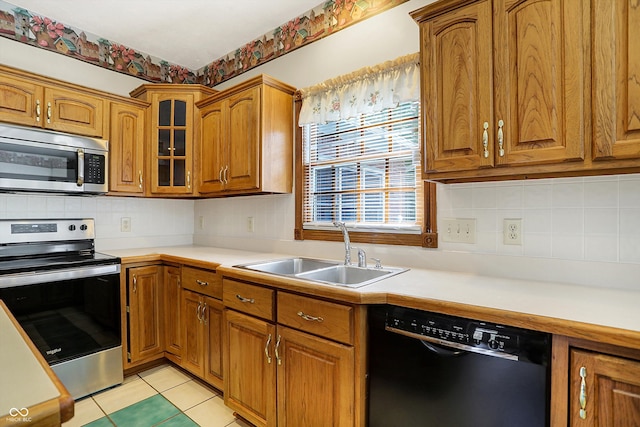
<point x="364" y="171"/>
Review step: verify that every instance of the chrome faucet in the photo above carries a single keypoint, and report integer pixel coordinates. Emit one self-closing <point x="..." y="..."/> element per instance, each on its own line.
<point x="347" y="243"/>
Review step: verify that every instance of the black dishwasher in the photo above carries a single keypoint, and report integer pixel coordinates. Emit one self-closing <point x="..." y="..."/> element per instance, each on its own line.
<point x="428" y="369"/>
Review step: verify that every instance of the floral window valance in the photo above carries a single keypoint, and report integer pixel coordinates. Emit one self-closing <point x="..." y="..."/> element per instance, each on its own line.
<point x="368" y="90"/>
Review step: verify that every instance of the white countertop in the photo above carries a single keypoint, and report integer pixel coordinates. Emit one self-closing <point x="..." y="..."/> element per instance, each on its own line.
<point x="598" y="306"/>
<point x="25" y="382"/>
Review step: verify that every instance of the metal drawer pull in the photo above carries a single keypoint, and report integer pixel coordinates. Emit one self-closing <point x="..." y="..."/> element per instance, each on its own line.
<point x="243" y="299"/>
<point x="500" y="139"/>
<point x="202" y="283"/>
<point x="266" y="349"/>
<point x="48" y="112"/>
<point x="310" y="318"/>
<point x="38" y="111"/>
<point x="485" y="139"/>
<point x="583" y="393"/>
<point x="276" y="351"/>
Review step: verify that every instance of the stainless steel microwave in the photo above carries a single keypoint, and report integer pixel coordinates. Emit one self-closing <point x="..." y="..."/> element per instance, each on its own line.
<point x="38" y="160"/>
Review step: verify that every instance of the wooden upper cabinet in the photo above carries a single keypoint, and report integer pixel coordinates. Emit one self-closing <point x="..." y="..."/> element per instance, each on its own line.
<point x="173" y="128"/>
<point x="456" y="87"/>
<point x="126" y="148"/>
<point x="29" y="102"/>
<point x="247" y="139"/>
<point x="604" y="390"/>
<point x="70" y="111"/>
<point x="539" y="83"/>
<point x="503" y="83"/>
<point x="616" y="79"/>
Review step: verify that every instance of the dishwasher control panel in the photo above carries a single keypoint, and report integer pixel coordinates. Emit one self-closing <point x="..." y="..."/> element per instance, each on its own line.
<point x="465" y="334"/>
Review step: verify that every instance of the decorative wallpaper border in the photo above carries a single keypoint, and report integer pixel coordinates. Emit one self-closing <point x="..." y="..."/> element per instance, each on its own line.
<point x="323" y="20"/>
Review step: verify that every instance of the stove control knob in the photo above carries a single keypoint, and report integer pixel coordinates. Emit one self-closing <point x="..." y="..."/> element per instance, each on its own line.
<point x="493" y="344"/>
<point x="83" y="227"/>
<point x="72" y="227"/>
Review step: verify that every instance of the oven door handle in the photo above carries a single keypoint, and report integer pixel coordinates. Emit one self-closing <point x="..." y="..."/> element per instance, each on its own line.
<point x="59" y="275"/>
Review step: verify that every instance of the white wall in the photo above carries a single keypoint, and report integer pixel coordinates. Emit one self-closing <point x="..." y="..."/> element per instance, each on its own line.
<point x="575" y="230"/>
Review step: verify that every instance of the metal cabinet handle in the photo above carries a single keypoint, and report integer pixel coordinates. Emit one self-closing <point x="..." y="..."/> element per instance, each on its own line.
<point x="202" y="283"/>
<point x="220" y="175"/>
<point x="276" y="351"/>
<point x="226" y="174"/>
<point x="266" y="349"/>
<point x="135" y="283"/>
<point x="583" y="393"/>
<point x="198" y="312"/>
<point x="485" y="139"/>
<point x="188" y="180"/>
<point x="140" y="179"/>
<point x="243" y="299"/>
<point x="204" y="314"/>
<point x="310" y="318"/>
<point x="38" y="110"/>
<point x="500" y="139"/>
<point x="48" y="112"/>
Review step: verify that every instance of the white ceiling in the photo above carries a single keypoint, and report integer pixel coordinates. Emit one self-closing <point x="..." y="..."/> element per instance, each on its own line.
<point x="191" y="33"/>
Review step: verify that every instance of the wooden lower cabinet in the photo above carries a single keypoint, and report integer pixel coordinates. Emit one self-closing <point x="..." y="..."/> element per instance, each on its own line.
<point x="144" y="306"/>
<point x="279" y="376"/>
<point x="315" y="381"/>
<point x="250" y="368"/>
<point x="173" y="312"/>
<point x="604" y="390"/>
<point x="202" y="336"/>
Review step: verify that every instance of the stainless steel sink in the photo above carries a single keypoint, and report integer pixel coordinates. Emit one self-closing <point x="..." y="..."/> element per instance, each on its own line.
<point x="324" y="271"/>
<point x="289" y="266"/>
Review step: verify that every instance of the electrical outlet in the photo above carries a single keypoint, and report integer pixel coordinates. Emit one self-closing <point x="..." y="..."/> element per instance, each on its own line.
<point x="125" y="224"/>
<point x="459" y="230"/>
<point x="250" y="224"/>
<point x="512" y="231"/>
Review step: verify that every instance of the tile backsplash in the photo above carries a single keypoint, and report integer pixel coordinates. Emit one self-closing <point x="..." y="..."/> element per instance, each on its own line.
<point x="590" y="219"/>
<point x="154" y="222"/>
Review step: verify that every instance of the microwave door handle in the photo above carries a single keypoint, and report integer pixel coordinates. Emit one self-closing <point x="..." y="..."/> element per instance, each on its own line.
<point x="80" y="181"/>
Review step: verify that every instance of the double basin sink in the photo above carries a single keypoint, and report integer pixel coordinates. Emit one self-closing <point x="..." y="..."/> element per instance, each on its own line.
<point x="324" y="271"/>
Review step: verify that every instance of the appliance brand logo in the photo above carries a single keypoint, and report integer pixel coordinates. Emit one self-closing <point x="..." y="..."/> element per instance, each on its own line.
<point x="54" y="351"/>
<point x="17" y="415"/>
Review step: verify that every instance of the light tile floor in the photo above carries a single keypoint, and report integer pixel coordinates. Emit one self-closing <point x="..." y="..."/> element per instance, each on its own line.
<point x="163" y="396"/>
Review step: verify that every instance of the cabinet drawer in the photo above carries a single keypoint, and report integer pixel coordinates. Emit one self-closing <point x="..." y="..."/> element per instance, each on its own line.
<point x="250" y="299"/>
<point x="203" y="281"/>
<point x="326" y="319"/>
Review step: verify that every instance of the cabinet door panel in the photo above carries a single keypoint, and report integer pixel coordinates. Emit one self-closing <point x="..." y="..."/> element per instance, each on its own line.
<point x="539" y="81"/>
<point x="315" y="381"/>
<point x="74" y="112"/>
<point x="244" y="137"/>
<point x="20" y="101"/>
<point x="213" y="353"/>
<point x="612" y="390"/>
<point x="250" y="368"/>
<point x="173" y="310"/>
<point x="193" y="338"/>
<point x="145" y="311"/>
<point x="456" y="55"/>
<point x="126" y="148"/>
<point x="616" y="79"/>
<point x="213" y="148"/>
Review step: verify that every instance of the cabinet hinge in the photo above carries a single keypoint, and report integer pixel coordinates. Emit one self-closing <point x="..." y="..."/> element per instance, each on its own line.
<point x="127" y="309"/>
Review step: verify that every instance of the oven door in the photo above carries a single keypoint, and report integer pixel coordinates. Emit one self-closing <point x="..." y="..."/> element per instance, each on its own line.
<point x="67" y="313"/>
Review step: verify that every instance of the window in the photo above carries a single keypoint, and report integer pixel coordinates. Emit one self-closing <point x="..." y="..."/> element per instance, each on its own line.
<point x="364" y="171"/>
